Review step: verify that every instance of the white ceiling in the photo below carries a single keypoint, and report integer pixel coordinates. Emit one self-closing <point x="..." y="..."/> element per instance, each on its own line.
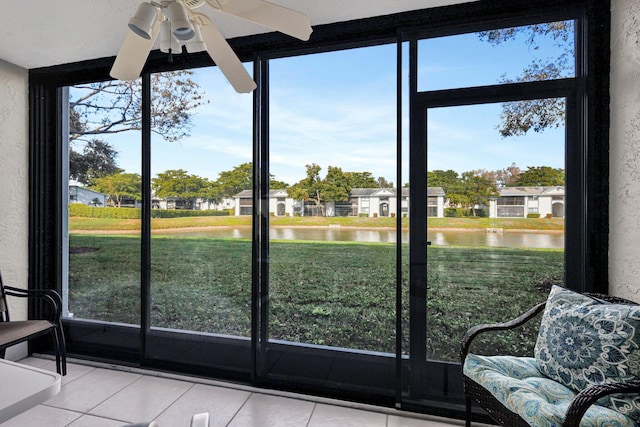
<point x="39" y="33"/>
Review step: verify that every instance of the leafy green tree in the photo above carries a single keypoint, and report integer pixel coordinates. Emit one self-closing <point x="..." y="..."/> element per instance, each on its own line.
<point x="274" y="184"/>
<point x="119" y="186"/>
<point x="337" y="184"/>
<point x="449" y="180"/>
<point x="230" y="183"/>
<point x="97" y="160"/>
<point x="519" y="117"/>
<point x="359" y="179"/>
<point x="540" y="176"/>
<point x="310" y="188"/>
<point x="177" y="183"/>
<point x="476" y="190"/>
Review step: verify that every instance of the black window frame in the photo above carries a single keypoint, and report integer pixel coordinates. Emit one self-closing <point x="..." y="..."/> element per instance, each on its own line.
<point x="46" y="131"/>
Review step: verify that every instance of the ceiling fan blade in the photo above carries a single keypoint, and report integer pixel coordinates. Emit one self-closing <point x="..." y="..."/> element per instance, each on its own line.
<point x="279" y="18"/>
<point x="224" y="57"/>
<point x="132" y="55"/>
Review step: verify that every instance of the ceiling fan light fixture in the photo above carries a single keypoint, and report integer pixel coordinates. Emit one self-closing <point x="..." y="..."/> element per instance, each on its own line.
<point x="167" y="40"/>
<point x="144" y="20"/>
<point x="196" y="43"/>
<point x="180" y="25"/>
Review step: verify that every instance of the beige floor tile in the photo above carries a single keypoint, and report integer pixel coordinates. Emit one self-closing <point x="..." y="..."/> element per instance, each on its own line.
<point x="221" y="403"/>
<point x="36" y="362"/>
<point x="91" y="389"/>
<point x="142" y="400"/>
<point x="101" y="397"/>
<point x="42" y="415"/>
<point x="74" y="370"/>
<point x="328" y="415"/>
<point x="92" y="421"/>
<point x="262" y="410"/>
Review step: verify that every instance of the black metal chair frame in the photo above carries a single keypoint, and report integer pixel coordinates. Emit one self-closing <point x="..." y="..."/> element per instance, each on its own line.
<point x="26" y="330"/>
<point x="475" y="393"/>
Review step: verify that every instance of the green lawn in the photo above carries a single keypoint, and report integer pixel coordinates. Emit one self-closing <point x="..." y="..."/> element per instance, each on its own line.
<point x="81" y="223"/>
<point x="337" y="294"/>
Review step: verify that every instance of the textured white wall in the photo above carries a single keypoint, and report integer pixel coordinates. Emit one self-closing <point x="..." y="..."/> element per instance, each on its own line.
<point x="14" y="180"/>
<point x="624" y="201"/>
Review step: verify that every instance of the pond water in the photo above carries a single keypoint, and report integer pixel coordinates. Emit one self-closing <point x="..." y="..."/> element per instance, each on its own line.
<point x="510" y="239"/>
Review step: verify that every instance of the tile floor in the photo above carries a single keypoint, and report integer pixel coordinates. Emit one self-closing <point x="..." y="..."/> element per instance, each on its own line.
<point x="96" y="396"/>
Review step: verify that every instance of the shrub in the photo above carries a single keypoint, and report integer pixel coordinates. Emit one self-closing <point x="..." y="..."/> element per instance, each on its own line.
<point x="533" y="215"/>
<point x="454" y="213"/>
<point x="81" y="210"/>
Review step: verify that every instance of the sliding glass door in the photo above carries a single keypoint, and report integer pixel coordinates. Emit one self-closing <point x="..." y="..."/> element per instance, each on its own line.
<point x="337" y="231"/>
<point x="493" y="158"/>
<point x="333" y="223"/>
<point x="200" y="246"/>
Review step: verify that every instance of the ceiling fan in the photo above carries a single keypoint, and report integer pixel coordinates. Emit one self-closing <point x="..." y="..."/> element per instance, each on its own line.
<point x="176" y="24"/>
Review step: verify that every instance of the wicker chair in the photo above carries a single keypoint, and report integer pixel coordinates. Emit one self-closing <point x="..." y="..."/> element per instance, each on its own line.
<point x="14" y="332"/>
<point x="475" y="393"/>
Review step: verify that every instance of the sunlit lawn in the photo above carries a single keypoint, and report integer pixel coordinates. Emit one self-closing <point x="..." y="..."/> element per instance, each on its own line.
<point x="336" y="294"/>
<point x="80" y="223"/>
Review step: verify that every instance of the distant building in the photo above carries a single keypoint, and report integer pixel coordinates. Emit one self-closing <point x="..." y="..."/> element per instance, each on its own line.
<point x="372" y="202"/>
<point x="78" y="194"/>
<point x="280" y="204"/>
<point x="198" y="205"/>
<point x="519" y="202"/>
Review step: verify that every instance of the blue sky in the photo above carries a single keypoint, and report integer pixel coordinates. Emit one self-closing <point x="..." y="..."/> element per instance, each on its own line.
<point x="339" y="109"/>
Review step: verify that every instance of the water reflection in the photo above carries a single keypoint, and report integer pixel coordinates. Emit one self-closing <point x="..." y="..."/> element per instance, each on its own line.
<point x="551" y="240"/>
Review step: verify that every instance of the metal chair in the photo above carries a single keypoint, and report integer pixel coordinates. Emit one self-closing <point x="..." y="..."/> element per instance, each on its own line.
<point x="475" y="393"/>
<point x="14" y="332"/>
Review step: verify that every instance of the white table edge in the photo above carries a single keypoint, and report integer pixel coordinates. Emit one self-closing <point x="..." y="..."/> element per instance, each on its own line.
<point x="49" y="384"/>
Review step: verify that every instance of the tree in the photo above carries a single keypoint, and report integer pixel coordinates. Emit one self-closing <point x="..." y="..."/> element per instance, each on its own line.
<point x="383" y="183"/>
<point x="337" y="184"/>
<point x="119" y="186"/>
<point x="541" y="176"/>
<point x="230" y="183"/>
<point x="115" y="106"/>
<point x="508" y="176"/>
<point x="335" y="187"/>
<point x="519" y="117"/>
<point x="309" y="188"/>
<point x="97" y="160"/>
<point x="177" y="183"/>
<point x="274" y="184"/>
<point x="476" y="190"/>
<point x="448" y="180"/>
<point x="359" y="179"/>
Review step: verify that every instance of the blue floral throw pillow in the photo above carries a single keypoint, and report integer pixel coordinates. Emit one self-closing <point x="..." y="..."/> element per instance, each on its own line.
<point x="584" y="341"/>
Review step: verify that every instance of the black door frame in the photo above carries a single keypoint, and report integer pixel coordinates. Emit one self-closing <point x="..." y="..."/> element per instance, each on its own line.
<point x="591" y="201"/>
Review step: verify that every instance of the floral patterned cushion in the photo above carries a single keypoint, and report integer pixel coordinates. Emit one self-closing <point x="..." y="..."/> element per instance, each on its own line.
<point x="584" y="341"/>
<point x="520" y="386"/>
